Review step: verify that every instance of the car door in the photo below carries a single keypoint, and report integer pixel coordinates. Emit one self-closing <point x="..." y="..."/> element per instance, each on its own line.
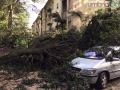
<point x="116" y="66"/>
<point x="111" y="68"/>
<point x="116" y="63"/>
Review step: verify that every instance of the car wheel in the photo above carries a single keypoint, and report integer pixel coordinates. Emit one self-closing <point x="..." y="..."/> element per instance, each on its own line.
<point x="103" y="80"/>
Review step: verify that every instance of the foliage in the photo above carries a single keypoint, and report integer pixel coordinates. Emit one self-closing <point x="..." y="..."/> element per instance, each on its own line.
<point x="28" y="81"/>
<point x="77" y="13"/>
<point x="17" y="36"/>
<point x="102" y="29"/>
<point x="61" y="23"/>
<point x="63" y="77"/>
<point x="20" y="21"/>
<point x="3" y="20"/>
<point x="56" y="62"/>
<point x="14" y="39"/>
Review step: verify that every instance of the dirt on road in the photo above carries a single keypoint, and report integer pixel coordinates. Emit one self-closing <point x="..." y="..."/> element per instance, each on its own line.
<point x="31" y="81"/>
<point x="28" y="81"/>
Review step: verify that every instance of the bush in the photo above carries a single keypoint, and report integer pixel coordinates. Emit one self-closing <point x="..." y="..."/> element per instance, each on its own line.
<point x="28" y="81"/>
<point x="62" y="76"/>
<point x="14" y="39"/>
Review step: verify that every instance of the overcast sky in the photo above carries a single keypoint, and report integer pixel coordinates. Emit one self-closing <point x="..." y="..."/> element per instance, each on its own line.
<point x="33" y="14"/>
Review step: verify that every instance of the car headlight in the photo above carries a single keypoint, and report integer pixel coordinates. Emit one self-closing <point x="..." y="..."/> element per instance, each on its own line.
<point x="88" y="71"/>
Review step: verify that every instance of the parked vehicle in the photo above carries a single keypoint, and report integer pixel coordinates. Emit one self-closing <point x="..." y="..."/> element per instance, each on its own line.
<point x="99" y="65"/>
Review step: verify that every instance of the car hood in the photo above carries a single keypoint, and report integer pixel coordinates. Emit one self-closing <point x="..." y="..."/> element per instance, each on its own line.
<point x="84" y="63"/>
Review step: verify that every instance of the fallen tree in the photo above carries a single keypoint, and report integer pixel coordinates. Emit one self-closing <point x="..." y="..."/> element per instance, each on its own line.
<point x="10" y="53"/>
<point x="52" y="50"/>
<point x="53" y="54"/>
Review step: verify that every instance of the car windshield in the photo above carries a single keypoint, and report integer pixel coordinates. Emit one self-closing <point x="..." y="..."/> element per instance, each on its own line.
<point x="96" y="53"/>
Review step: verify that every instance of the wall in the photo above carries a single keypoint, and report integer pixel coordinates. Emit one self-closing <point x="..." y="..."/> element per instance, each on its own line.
<point x="82" y="5"/>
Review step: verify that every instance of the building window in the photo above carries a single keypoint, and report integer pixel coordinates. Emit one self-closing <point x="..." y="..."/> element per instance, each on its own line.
<point x="57" y="6"/>
<point x="38" y="26"/>
<point x="69" y="25"/>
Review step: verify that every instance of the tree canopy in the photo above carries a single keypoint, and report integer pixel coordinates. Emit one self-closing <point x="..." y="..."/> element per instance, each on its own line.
<point x="104" y="28"/>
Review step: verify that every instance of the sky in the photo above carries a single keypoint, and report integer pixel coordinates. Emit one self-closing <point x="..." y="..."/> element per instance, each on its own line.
<point x="33" y="14"/>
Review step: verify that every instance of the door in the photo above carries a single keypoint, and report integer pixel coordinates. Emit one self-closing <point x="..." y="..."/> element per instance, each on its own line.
<point x="111" y="68"/>
<point x="116" y="66"/>
<point x="116" y="63"/>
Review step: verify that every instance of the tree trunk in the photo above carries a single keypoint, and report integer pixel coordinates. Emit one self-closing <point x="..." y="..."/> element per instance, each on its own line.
<point x="10" y="8"/>
<point x="12" y="53"/>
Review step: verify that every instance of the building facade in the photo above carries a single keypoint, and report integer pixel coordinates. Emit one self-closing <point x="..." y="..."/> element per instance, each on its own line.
<point x="44" y="22"/>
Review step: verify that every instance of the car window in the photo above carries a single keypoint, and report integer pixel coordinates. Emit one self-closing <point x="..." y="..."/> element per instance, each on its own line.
<point x="97" y="53"/>
<point x="94" y="53"/>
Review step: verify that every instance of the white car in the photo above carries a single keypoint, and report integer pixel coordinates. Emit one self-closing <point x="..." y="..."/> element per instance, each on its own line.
<point x="99" y="65"/>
